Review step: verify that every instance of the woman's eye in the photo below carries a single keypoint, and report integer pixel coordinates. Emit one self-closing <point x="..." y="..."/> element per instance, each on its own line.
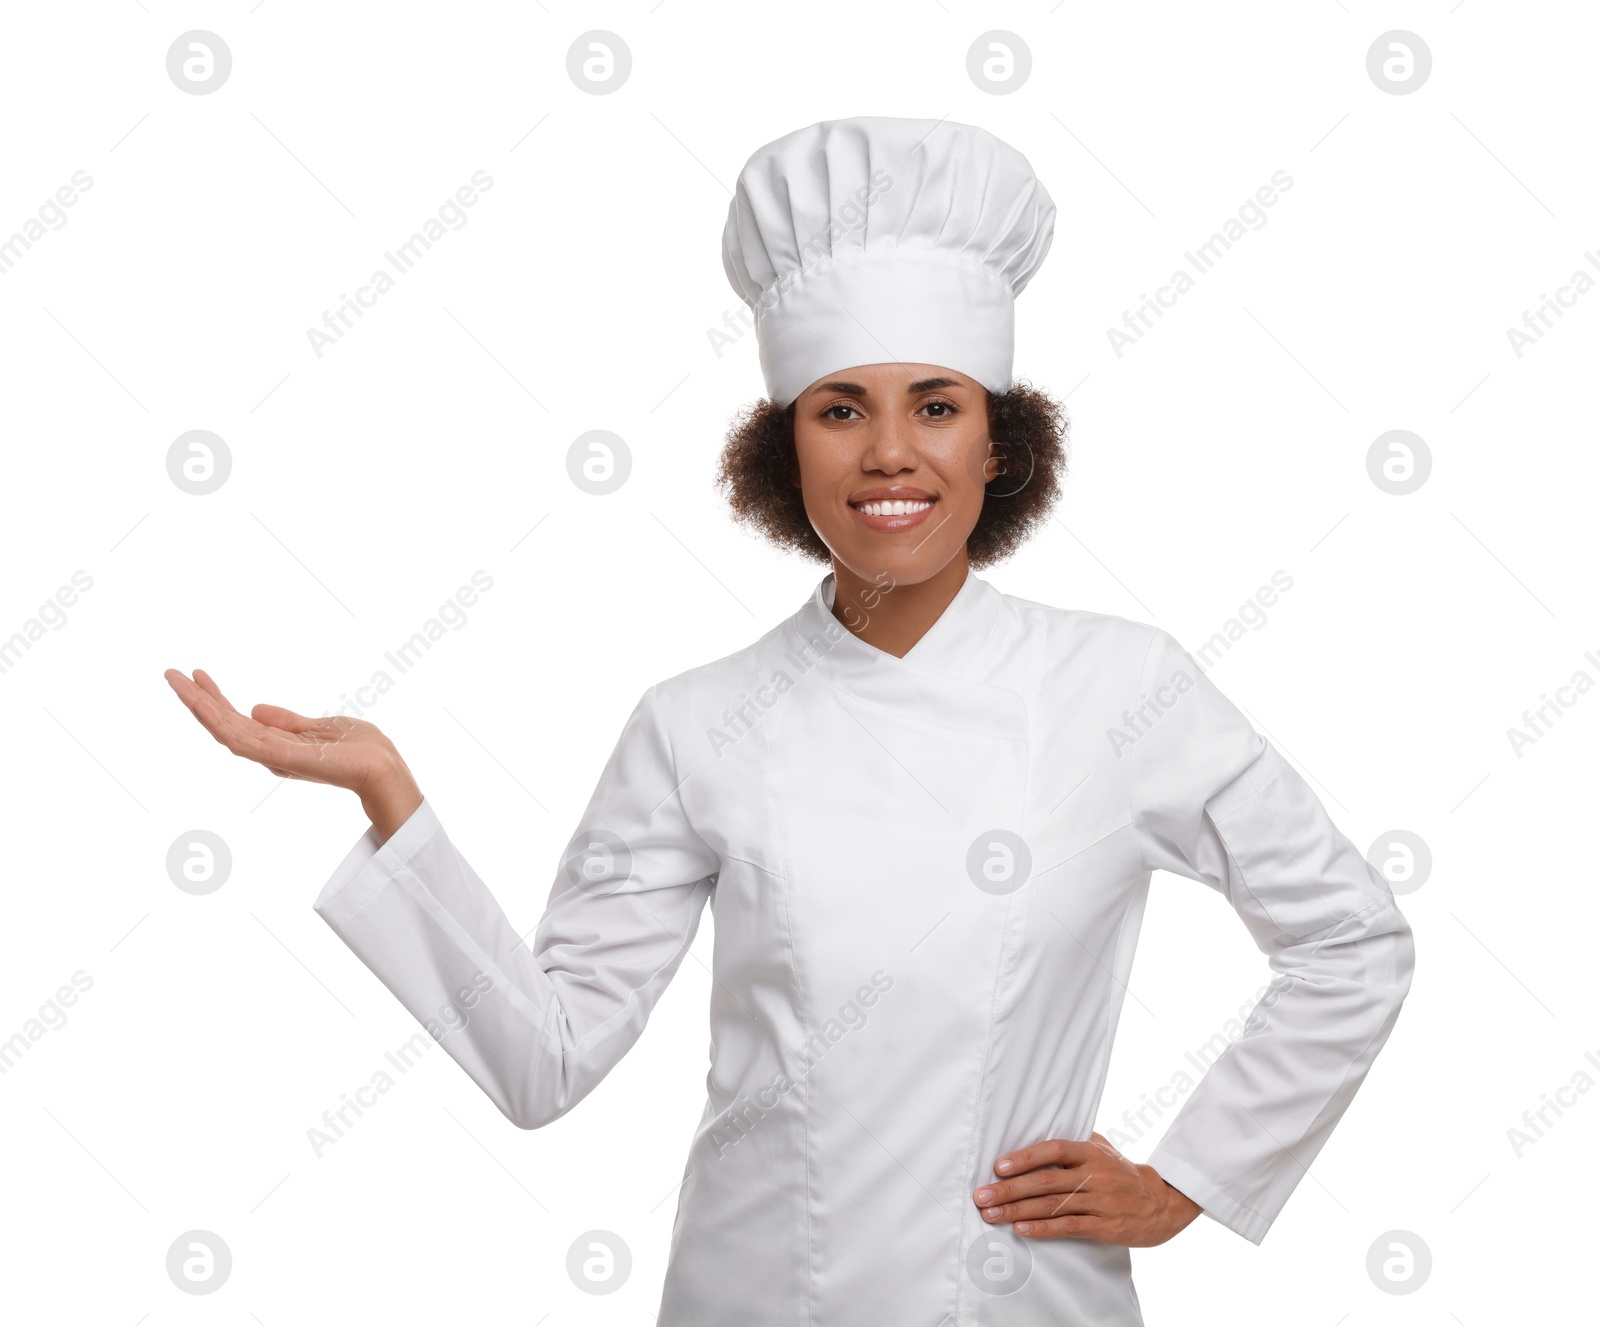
<point x="945" y="409"/>
<point x="828" y="413"/>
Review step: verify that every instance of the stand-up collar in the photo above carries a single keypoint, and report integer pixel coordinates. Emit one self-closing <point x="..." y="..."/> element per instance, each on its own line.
<point x="942" y="677"/>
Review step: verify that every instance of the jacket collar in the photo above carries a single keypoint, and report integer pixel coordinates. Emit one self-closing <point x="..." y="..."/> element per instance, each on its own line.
<point x="945" y="678"/>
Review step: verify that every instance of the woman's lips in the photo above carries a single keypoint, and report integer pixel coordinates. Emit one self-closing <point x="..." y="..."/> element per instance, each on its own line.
<point x="899" y="520"/>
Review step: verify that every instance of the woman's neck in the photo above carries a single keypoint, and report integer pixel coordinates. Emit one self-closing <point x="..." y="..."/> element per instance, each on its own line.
<point x="893" y="616"/>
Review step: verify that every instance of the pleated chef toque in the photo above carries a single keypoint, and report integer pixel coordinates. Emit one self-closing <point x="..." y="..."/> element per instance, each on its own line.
<point x="879" y="239"/>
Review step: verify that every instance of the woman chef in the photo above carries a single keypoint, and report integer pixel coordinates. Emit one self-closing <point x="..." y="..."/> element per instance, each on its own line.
<point x="925" y="814"/>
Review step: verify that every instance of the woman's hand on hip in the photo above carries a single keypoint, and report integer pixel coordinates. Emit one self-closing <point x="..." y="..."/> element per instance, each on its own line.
<point x="1083" y="1190"/>
<point x="347" y="753"/>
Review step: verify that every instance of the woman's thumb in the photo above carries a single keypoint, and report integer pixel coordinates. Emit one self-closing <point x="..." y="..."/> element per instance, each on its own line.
<point x="275" y="716"/>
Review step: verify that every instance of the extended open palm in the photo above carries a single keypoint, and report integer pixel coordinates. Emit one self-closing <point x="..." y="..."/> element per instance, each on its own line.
<point x="347" y="753"/>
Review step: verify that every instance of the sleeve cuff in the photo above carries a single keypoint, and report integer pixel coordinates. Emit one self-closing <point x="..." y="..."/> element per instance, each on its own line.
<point x="1216" y="1204"/>
<point x="369" y="865"/>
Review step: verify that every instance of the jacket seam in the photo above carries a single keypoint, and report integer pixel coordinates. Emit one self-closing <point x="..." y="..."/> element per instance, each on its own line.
<point x="1005" y="963"/>
<point x="753" y="865"/>
<point x="651" y="703"/>
<point x="770" y="736"/>
<point x="1131" y="779"/>
<point x="1113" y="1005"/>
<point x="1244" y="881"/>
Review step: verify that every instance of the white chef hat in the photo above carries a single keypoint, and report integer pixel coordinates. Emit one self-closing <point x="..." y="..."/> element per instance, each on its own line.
<point x="880" y="240"/>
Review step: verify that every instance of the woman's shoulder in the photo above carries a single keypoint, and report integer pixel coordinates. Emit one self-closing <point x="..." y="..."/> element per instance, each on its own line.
<point x="703" y="694"/>
<point x="1076" y="633"/>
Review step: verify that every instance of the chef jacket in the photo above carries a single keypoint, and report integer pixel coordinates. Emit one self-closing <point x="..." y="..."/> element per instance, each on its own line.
<point x="928" y="875"/>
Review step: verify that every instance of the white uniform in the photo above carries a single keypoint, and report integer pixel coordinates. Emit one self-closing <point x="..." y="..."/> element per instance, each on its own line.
<point x="928" y="876"/>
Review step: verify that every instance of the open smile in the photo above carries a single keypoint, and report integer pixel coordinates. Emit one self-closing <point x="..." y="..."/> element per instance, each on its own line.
<point x="891" y="511"/>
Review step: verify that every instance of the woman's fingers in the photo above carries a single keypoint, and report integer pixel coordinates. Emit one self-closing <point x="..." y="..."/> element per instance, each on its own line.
<point x="337" y="750"/>
<point x="275" y="716"/>
<point x="200" y="702"/>
<point x="207" y="704"/>
<point x="1050" y="1152"/>
<point x="1053" y="1179"/>
<point x="247" y="737"/>
<point x="182" y="687"/>
<point x="1042" y="1208"/>
<point x="239" y="734"/>
<point x="1078" y="1215"/>
<point x="1095" y="1229"/>
<point x="207" y="683"/>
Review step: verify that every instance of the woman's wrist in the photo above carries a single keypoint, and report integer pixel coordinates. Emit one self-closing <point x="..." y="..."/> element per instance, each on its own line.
<point x="1180" y="1208"/>
<point x="391" y="801"/>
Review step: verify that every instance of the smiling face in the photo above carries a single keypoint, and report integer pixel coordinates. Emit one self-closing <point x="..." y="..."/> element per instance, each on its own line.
<point x="893" y="459"/>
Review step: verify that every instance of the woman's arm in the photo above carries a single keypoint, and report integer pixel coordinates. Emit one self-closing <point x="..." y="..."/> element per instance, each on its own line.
<point x="537" y="1024"/>
<point x="1214" y="801"/>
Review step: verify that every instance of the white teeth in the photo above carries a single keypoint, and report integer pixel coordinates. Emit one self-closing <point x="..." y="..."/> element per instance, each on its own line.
<point x="891" y="508"/>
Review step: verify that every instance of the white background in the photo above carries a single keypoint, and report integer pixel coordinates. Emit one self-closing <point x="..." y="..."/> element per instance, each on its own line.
<point x="430" y="442"/>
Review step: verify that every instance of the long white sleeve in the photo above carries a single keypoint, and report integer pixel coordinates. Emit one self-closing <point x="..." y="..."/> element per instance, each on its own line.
<point x="538" y="1025"/>
<point x="1215" y="801"/>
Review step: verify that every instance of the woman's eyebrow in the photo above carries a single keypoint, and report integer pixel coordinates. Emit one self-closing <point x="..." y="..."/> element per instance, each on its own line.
<point x="856" y="389"/>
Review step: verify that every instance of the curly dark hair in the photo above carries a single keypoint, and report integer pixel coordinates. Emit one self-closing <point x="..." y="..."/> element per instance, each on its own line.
<point x="1030" y="431"/>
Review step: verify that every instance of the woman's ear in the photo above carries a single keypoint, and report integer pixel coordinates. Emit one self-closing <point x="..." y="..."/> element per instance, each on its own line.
<point x="994" y="464"/>
<point x="994" y="461"/>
